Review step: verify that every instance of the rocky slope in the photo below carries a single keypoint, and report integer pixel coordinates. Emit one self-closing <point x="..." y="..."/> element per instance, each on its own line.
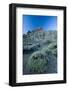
<point x="40" y="52"/>
<point x="39" y="38"/>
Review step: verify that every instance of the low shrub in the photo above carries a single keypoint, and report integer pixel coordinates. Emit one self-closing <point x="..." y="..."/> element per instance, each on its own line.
<point x="37" y="62"/>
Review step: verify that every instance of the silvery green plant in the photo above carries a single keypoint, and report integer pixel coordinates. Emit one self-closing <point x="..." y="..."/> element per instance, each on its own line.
<point x="37" y="62"/>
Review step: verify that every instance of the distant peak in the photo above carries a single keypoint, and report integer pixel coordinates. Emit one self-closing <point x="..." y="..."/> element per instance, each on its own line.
<point x="38" y="29"/>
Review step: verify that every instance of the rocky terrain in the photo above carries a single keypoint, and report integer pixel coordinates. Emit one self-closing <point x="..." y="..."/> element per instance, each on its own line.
<point x="40" y="52"/>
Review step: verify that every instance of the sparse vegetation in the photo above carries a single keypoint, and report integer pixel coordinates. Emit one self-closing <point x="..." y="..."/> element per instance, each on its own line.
<point x="41" y="52"/>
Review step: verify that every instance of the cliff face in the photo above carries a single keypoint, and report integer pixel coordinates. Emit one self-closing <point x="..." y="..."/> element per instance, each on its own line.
<point x="38" y="37"/>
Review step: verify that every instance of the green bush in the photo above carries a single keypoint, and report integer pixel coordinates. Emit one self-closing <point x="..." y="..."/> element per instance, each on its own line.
<point x="37" y="62"/>
<point x="53" y="48"/>
<point x="53" y="45"/>
<point x="50" y="50"/>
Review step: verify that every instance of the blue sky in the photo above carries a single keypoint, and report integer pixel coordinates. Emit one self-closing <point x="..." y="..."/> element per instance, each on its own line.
<point x="31" y="22"/>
